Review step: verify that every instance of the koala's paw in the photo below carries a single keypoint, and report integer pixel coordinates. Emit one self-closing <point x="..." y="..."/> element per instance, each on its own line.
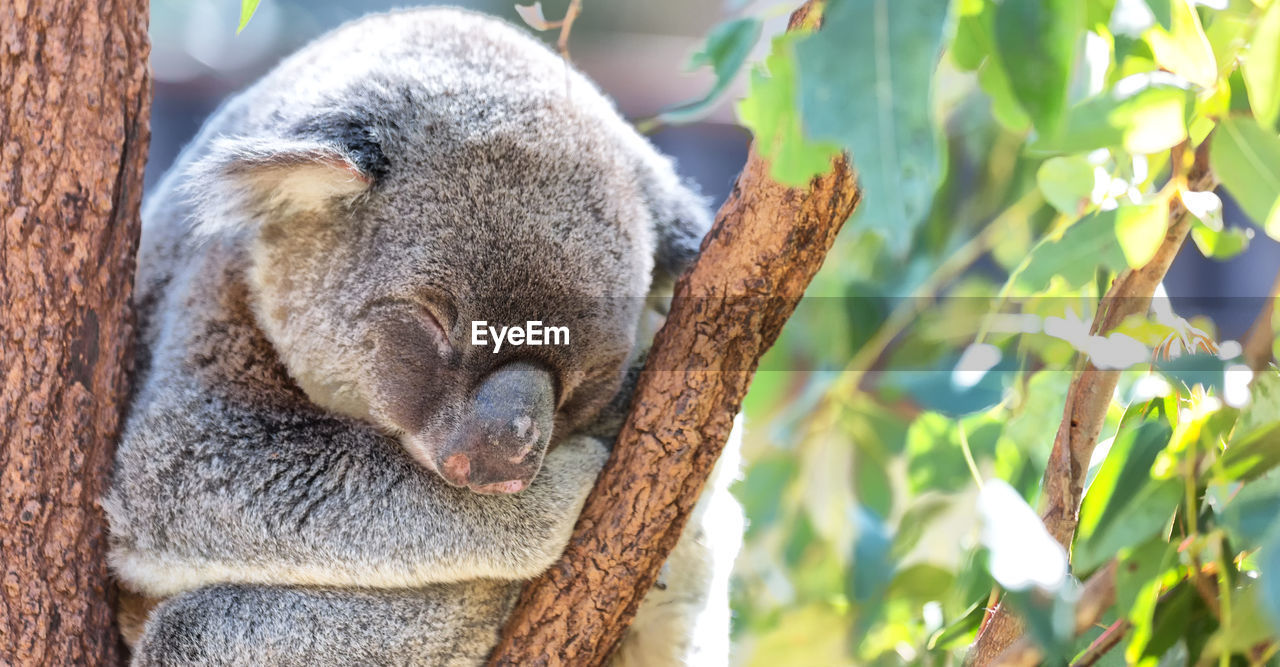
<point x="576" y="463"/>
<point x="179" y="632"/>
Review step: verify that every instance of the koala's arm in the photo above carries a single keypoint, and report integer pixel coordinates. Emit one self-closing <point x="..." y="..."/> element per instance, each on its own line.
<point x="236" y="625"/>
<point x="305" y="507"/>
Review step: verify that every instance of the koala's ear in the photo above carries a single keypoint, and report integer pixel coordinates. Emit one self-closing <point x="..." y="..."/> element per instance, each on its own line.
<point x="681" y="217"/>
<point x="245" y="181"/>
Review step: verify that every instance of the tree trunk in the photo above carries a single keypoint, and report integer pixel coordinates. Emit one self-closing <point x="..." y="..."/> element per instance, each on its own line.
<point x="75" y="93"/>
<point x="767" y="242"/>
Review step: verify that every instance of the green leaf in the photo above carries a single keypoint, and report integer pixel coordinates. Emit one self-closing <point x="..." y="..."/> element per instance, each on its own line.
<point x="1163" y="11"/>
<point x="1138" y="566"/>
<point x="1155" y="634"/>
<point x="973" y="42"/>
<point x="872" y="484"/>
<point x="1140" y="229"/>
<point x="247" y="8"/>
<point x="960" y="631"/>
<point x="725" y="51"/>
<point x="1249" y="625"/>
<point x="1269" y="565"/>
<point x="921" y="583"/>
<point x="1220" y="244"/>
<point x="1253" y="511"/>
<point x="1263" y="411"/>
<point x="872" y="567"/>
<point x="1037" y="41"/>
<point x="1076" y="255"/>
<point x="1184" y="49"/>
<point x="1206" y="370"/>
<point x="1252" y="455"/>
<point x="865" y="83"/>
<point x="1004" y="106"/>
<point x="769" y="111"/>
<point x="1254" y="447"/>
<point x="934" y="458"/>
<point x="811" y="634"/>
<point x="1050" y="620"/>
<point x="1067" y="183"/>
<point x="1261" y="68"/>
<point x="915" y="522"/>
<point x="1142" y="116"/>
<point x="939" y="391"/>
<point x="1124" y="506"/>
<point x="1246" y="158"/>
<point x="760" y="489"/>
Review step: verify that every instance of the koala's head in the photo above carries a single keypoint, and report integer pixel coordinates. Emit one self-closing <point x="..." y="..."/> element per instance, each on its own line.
<point x="379" y="236"/>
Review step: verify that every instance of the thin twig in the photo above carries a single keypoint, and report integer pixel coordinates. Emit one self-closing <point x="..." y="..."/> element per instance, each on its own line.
<point x="566" y="24"/>
<point x="1262" y="335"/>
<point x="1106" y="641"/>
<point x="1098" y="595"/>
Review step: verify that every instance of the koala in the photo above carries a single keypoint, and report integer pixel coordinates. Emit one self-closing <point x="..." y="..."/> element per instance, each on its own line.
<point x="320" y="466"/>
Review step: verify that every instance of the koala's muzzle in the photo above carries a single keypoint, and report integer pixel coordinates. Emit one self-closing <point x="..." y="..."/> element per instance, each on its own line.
<point x="499" y="444"/>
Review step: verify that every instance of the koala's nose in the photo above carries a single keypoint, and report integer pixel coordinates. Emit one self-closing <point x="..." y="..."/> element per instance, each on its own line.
<point x="498" y="446"/>
<point x="456" y="469"/>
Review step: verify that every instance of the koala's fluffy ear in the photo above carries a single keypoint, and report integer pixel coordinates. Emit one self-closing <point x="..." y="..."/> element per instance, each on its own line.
<point x="244" y="181"/>
<point x="681" y="218"/>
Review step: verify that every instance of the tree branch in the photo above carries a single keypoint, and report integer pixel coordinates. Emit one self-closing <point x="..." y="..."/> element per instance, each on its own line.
<point x="75" y="96"/>
<point x="1098" y="596"/>
<point x="767" y="242"/>
<point x="1261" y="335"/>
<point x="1087" y="400"/>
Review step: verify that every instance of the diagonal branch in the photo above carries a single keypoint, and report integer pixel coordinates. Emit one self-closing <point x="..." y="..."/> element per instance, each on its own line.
<point x="1098" y="595"/>
<point x="1086" y="405"/>
<point x="767" y="242"/>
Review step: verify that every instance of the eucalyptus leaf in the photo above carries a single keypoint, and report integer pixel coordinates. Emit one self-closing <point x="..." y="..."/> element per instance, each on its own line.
<point x="1037" y="42"/>
<point x="1261" y="68"/>
<point x="865" y="84"/>
<point x="973" y="40"/>
<point x="1253" y="512"/>
<point x="1246" y="157"/>
<point x="770" y="112"/>
<point x="1124" y="506"/>
<point x="1140" y="230"/>
<point x="1220" y="244"/>
<point x="1254" y="446"/>
<point x="725" y="51"/>
<point x="247" y="9"/>
<point x="1162" y="10"/>
<point x="1184" y="49"/>
<point x="1066" y="183"/>
<point x="1142" y="115"/>
<point x="1083" y="247"/>
<point x="1269" y="563"/>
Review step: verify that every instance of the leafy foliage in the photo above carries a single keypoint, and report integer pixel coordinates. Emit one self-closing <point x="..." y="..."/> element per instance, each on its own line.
<point x="1017" y="156"/>
<point x="247" y="9"/>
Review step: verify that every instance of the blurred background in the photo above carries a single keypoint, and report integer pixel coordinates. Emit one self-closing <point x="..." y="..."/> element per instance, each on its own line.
<point x="819" y="484"/>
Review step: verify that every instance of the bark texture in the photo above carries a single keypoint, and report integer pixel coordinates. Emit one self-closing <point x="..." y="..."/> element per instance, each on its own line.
<point x="1088" y="396"/>
<point x="75" y="93"/>
<point x="767" y="242"/>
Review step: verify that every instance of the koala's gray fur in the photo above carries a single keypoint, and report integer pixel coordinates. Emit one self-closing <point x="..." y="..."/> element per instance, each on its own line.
<point x="304" y="274"/>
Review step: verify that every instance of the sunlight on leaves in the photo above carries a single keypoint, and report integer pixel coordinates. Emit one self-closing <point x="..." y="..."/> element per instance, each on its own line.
<point x="770" y="112"/>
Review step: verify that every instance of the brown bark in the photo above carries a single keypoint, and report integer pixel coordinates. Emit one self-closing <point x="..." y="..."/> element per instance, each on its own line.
<point x="767" y="242"/>
<point x="74" y="99"/>
<point x="1097" y="597"/>
<point x="1086" y="407"/>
